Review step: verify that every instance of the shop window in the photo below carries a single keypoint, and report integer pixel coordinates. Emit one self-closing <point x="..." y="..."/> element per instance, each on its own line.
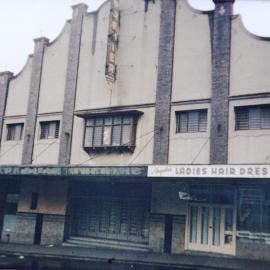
<point x="14" y="132"/>
<point x="253" y="213"/>
<point x="191" y="121"/>
<point x="10" y="219"/>
<point x="49" y="129"/>
<point x="115" y="132"/>
<point x="252" y="117"/>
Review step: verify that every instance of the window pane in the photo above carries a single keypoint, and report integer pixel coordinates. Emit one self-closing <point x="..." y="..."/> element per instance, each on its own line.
<point x="183" y="122"/>
<point x="88" y="141"/>
<point x="18" y="129"/>
<point x="193" y="224"/>
<point x="241" y="118"/>
<point x="99" y="121"/>
<point x="203" y="121"/>
<point x="14" y="132"/>
<point x="107" y="131"/>
<point x="108" y="120"/>
<point x="126" y="135"/>
<point x="266" y="117"/>
<point x="10" y="222"/>
<point x="116" y="136"/>
<point x="216" y="226"/>
<point x="127" y="120"/>
<point x="205" y="225"/>
<point x="193" y="121"/>
<point x="52" y="128"/>
<point x="228" y="219"/>
<point x="97" y="136"/>
<point x="11" y="133"/>
<point x="90" y="122"/>
<point x="117" y="120"/>
<point x="254" y="115"/>
<point x="44" y="130"/>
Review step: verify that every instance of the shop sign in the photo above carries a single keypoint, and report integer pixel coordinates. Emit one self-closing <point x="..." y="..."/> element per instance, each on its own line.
<point x="210" y="171"/>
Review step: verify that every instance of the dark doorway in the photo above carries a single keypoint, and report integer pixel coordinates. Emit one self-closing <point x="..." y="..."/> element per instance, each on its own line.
<point x="38" y="229"/>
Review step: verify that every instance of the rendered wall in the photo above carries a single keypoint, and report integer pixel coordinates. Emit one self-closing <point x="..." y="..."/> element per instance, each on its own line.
<point x="11" y="151"/>
<point x="46" y="150"/>
<point x="136" y="57"/>
<point x="249" y="64"/>
<point x="248" y="146"/>
<point x="192" y="54"/>
<point x="52" y="196"/>
<point x="189" y="148"/>
<point x="18" y="91"/>
<point x="53" y="76"/>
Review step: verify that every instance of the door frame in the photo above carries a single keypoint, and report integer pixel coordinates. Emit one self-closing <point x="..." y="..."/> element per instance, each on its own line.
<point x="222" y="249"/>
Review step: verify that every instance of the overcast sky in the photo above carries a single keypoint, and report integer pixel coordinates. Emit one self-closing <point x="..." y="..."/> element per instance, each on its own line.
<point x="23" y="20"/>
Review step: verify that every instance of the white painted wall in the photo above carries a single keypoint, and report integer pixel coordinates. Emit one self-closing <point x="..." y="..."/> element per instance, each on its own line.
<point x="136" y="58"/>
<point x="189" y="148"/>
<point x="250" y="67"/>
<point x="46" y="150"/>
<point x="11" y="151"/>
<point x="248" y="146"/>
<point x="18" y="91"/>
<point x="53" y="78"/>
<point x="192" y="55"/>
<point x="143" y="153"/>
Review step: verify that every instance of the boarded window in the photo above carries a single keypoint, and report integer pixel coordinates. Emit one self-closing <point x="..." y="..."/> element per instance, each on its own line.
<point x="252" y="117"/>
<point x="191" y="121"/>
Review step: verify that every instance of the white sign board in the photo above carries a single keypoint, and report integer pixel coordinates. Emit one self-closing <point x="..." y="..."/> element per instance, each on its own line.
<point x="210" y="171"/>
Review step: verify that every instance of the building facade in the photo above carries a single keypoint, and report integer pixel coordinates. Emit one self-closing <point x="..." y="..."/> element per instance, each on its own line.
<point x="143" y="127"/>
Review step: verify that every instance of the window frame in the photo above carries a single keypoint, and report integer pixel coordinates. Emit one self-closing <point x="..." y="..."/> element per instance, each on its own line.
<point x="13" y="125"/>
<point x="110" y="147"/>
<point x="238" y="109"/>
<point x="187" y="112"/>
<point x="57" y="129"/>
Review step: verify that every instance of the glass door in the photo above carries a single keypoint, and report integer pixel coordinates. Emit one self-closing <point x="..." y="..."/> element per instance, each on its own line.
<point x="211" y="228"/>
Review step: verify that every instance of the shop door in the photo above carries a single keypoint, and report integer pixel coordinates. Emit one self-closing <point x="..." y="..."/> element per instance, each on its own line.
<point x="211" y="228"/>
<point x="111" y="218"/>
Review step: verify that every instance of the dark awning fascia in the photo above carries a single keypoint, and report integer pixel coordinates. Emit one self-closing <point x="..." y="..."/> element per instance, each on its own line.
<point x="90" y="171"/>
<point x="92" y="113"/>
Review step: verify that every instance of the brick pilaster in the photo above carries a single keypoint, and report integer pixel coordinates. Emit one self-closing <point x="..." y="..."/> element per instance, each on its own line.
<point x="164" y="82"/>
<point x="220" y="81"/>
<point x="71" y="83"/>
<point x="5" y="77"/>
<point x="32" y="107"/>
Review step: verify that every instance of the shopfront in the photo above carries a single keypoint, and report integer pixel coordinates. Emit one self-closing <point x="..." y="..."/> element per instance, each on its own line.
<point x="110" y="213"/>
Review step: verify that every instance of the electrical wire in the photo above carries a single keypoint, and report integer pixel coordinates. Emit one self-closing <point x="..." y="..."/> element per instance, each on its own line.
<point x="44" y="150"/>
<point x="138" y="138"/>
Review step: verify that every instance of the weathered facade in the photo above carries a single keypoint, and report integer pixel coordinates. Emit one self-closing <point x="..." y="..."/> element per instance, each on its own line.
<point x="143" y="127"/>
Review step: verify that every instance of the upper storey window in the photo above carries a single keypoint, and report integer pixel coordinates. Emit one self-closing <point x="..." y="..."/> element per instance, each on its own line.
<point x="191" y="121"/>
<point x="49" y="130"/>
<point x="252" y="117"/>
<point x="115" y="132"/>
<point x="14" y="132"/>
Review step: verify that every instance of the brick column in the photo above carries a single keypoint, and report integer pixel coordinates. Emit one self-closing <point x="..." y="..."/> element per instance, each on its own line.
<point x="71" y="83"/>
<point x="158" y="241"/>
<point x="30" y="125"/>
<point x="220" y="81"/>
<point x="164" y="82"/>
<point x="5" y="77"/>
